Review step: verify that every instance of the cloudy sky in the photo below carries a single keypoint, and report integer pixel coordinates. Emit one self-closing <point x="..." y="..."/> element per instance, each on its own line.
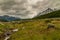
<point x="26" y="8"/>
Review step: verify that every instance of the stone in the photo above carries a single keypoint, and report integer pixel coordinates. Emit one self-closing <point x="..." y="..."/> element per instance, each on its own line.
<point x="50" y="26"/>
<point x="15" y="30"/>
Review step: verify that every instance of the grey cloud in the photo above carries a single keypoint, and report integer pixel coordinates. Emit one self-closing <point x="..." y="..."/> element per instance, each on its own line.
<point x="26" y="9"/>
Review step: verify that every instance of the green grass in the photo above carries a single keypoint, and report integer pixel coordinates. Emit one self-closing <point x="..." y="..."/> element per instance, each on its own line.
<point x="33" y="29"/>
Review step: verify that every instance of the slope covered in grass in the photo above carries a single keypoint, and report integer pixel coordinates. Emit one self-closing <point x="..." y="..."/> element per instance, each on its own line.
<point x="55" y="14"/>
<point x="32" y="29"/>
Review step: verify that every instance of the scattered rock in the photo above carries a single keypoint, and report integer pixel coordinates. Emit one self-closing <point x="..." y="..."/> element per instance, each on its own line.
<point x="15" y="30"/>
<point x="51" y="26"/>
<point x="8" y="33"/>
<point x="6" y="38"/>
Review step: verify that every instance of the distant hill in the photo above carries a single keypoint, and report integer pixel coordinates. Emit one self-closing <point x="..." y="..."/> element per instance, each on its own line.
<point x="6" y="18"/>
<point x="54" y="14"/>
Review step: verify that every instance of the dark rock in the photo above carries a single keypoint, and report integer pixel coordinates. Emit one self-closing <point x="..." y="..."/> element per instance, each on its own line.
<point x="50" y="26"/>
<point x="7" y="33"/>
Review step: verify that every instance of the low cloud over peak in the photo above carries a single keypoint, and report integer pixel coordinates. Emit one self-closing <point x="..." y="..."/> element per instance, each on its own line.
<point x="26" y="8"/>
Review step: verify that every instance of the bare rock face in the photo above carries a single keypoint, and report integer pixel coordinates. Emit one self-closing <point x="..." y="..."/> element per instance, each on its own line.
<point x="26" y="8"/>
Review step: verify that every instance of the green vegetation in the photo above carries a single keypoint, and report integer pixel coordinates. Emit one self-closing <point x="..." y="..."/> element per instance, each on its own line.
<point x="55" y="14"/>
<point x="32" y="29"/>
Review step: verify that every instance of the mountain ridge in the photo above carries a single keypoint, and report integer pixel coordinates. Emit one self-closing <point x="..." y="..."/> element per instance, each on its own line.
<point x="53" y="14"/>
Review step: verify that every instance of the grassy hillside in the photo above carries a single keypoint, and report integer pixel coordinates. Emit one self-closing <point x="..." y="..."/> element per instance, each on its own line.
<point x="32" y="30"/>
<point x="55" y="14"/>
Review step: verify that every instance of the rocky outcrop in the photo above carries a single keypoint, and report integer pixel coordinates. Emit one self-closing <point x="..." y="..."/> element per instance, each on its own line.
<point x="7" y="34"/>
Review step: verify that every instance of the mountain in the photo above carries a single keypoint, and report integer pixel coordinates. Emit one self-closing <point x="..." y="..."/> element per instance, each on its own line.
<point x="8" y="18"/>
<point x="48" y="10"/>
<point x="54" y="14"/>
<point x="49" y="13"/>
